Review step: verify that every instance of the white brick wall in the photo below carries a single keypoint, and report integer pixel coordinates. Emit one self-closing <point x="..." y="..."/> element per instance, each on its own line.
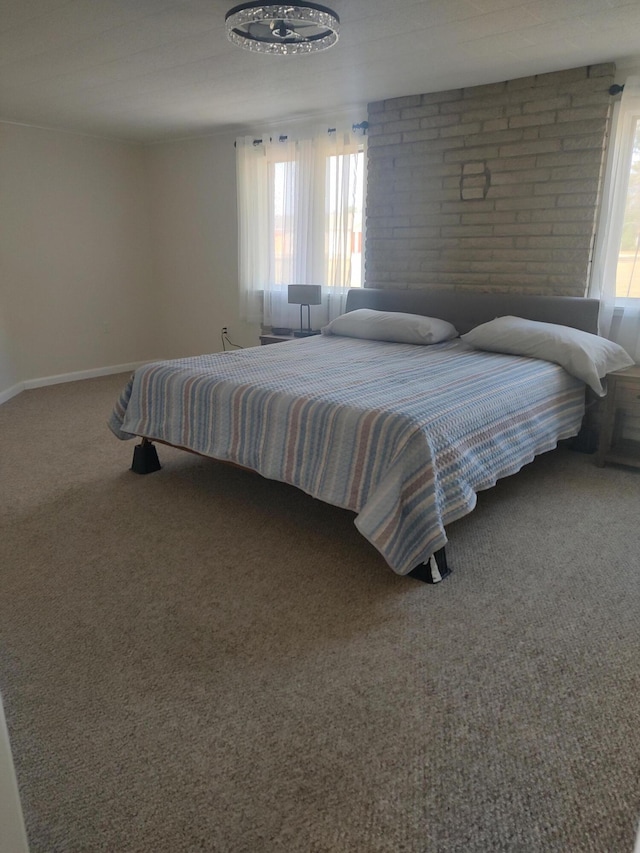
<point x="494" y="187"/>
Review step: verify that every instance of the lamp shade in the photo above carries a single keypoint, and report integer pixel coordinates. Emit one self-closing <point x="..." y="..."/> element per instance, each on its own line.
<point x="304" y="294"/>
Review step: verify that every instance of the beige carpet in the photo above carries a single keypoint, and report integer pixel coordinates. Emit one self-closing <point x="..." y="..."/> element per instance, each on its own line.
<point x="202" y="660"/>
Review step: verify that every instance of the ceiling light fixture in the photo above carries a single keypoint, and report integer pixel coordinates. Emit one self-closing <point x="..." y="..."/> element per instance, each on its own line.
<point x="281" y="29"/>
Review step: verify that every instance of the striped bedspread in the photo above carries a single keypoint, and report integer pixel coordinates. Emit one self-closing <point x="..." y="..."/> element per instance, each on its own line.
<point x="402" y="435"/>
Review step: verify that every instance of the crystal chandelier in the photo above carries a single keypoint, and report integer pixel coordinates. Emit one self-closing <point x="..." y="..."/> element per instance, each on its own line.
<point x="282" y="29"/>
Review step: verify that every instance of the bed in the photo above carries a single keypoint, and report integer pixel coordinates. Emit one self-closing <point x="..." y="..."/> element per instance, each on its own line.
<point x="402" y="435"/>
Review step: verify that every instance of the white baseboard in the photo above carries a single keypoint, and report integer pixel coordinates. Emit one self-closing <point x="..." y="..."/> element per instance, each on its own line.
<point x="83" y="374"/>
<point x="11" y="392"/>
<point x="70" y="377"/>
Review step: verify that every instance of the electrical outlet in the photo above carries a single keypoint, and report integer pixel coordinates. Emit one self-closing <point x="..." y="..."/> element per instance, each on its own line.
<point x="225" y="330"/>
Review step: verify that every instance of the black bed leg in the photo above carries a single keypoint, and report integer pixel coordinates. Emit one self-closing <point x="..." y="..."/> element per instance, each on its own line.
<point x="145" y="458"/>
<point x="434" y="570"/>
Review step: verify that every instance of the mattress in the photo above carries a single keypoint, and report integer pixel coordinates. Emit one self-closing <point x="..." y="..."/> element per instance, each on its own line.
<point x="402" y="435"/>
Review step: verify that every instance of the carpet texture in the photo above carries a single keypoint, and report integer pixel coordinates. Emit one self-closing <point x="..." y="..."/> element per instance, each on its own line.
<point x="203" y="660"/>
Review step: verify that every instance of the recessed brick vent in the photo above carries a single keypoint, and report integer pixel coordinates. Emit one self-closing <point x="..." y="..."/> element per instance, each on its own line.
<point x="475" y="181"/>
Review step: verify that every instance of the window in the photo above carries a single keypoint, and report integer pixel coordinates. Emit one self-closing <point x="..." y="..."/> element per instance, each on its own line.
<point x="343" y="217"/>
<point x="615" y="278"/>
<point x="628" y="268"/>
<point x="300" y="214"/>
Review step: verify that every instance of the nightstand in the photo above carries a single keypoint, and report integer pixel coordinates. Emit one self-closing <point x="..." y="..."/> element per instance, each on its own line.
<point x="274" y="339"/>
<point x="622" y="405"/>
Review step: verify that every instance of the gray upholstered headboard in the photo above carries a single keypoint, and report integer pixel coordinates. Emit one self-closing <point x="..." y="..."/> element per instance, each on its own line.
<point x="466" y="309"/>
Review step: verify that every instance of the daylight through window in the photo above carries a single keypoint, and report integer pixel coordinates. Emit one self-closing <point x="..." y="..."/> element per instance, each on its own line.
<point x="301" y="215"/>
<point x="628" y="266"/>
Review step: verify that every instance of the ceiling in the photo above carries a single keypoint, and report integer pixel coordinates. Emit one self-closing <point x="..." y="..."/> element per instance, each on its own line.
<point x="153" y="70"/>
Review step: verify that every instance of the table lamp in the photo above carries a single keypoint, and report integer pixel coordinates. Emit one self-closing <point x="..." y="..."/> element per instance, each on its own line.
<point x="305" y="295"/>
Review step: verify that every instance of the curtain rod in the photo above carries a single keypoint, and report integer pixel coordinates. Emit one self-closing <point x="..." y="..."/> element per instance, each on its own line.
<point x="362" y="128"/>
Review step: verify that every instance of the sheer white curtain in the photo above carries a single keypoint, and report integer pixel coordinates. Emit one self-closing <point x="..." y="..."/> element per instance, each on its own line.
<point x="300" y="222"/>
<point x="344" y="181"/>
<point x="620" y="313"/>
<point x="253" y="231"/>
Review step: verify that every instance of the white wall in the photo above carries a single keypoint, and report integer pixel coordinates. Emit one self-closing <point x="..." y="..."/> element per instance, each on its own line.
<point x="8" y="373"/>
<point x="76" y="288"/>
<point x="13" y="838"/>
<point x="627" y="67"/>
<point x="113" y="253"/>
<point x="192" y="193"/>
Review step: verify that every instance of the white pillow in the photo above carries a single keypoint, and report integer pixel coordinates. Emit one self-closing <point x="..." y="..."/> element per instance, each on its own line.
<point x="585" y="356"/>
<point x="391" y="326"/>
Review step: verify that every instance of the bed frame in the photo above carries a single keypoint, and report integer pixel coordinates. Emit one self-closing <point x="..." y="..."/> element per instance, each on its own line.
<point x="465" y="310"/>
